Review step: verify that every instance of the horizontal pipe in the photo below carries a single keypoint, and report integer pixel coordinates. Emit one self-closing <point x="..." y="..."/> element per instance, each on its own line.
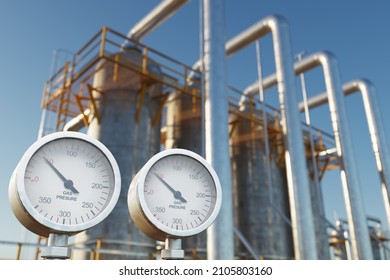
<point x="376" y="130"/>
<point x="155" y="18"/>
<point x="360" y="240"/>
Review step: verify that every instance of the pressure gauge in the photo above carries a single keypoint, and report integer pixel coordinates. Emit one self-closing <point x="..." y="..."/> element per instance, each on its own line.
<point x="175" y="195"/>
<point x="66" y="182"/>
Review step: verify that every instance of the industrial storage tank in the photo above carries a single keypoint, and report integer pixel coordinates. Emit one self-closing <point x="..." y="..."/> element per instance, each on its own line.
<point x="126" y="104"/>
<point x="184" y="130"/>
<point x="260" y="208"/>
<point x="184" y="118"/>
<point x="317" y="202"/>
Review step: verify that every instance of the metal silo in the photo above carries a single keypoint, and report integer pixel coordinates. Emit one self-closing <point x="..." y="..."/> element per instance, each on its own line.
<point x="184" y="119"/>
<point x="317" y="202"/>
<point x="259" y="207"/>
<point x="184" y="130"/>
<point x="123" y="122"/>
<point x="262" y="208"/>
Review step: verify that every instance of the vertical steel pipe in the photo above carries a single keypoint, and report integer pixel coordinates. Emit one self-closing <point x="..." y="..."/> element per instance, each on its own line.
<point x="360" y="240"/>
<point x="376" y="130"/>
<point x="299" y="193"/>
<point x="220" y="234"/>
<point x="155" y="18"/>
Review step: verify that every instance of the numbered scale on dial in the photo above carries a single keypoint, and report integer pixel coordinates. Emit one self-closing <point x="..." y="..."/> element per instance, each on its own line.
<point x="65" y="183"/>
<point x="176" y="194"/>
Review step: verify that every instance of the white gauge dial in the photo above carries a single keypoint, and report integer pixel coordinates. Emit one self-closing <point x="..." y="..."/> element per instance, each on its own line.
<point x="178" y="194"/>
<point x="67" y="182"/>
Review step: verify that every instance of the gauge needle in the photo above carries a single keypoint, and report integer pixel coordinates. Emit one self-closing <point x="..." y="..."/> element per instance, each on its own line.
<point x="176" y="194"/>
<point x="67" y="183"/>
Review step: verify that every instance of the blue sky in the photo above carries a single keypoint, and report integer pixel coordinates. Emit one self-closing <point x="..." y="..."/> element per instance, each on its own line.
<point x="357" y="32"/>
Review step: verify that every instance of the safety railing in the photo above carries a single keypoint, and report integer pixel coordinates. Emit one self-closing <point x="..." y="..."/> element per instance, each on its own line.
<point x="68" y="85"/>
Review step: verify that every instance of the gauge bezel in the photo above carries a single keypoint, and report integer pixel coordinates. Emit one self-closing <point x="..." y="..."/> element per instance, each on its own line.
<point x="24" y="210"/>
<point x="143" y="217"/>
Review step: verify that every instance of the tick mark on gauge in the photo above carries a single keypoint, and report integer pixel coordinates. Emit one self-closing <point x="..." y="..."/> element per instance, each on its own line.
<point x="93" y="212"/>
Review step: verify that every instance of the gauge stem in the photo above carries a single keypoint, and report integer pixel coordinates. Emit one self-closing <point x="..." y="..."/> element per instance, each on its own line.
<point x="173" y="249"/>
<point x="57" y="247"/>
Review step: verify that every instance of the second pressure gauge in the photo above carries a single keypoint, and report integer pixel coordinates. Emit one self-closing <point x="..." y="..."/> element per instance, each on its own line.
<point x="65" y="183"/>
<point x="176" y="194"/>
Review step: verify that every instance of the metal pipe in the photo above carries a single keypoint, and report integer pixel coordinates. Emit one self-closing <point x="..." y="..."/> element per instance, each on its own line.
<point x="298" y="185"/>
<point x="220" y="239"/>
<point x="360" y="240"/>
<point x="315" y="185"/>
<point x="77" y="122"/>
<point x="376" y="130"/>
<point x="155" y="18"/>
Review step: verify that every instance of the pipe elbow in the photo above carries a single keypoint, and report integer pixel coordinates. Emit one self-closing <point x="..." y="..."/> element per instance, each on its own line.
<point x="365" y="86"/>
<point x="364" y="83"/>
<point x="325" y="57"/>
<point x="275" y="20"/>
